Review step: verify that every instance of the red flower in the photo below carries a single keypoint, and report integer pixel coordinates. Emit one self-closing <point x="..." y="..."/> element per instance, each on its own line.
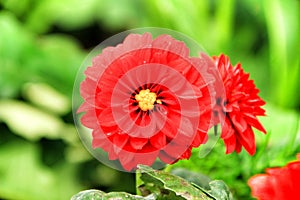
<point x="238" y="110"/>
<point x="278" y="183"/>
<point x="146" y="99"/>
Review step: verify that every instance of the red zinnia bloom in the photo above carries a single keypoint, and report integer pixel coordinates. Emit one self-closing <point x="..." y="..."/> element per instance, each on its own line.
<point x="238" y="110"/>
<point x="146" y="99"/>
<point x="278" y="183"/>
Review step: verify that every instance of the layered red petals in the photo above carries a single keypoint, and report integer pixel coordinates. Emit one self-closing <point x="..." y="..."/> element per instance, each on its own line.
<point x="181" y="111"/>
<point x="277" y="183"/>
<point x="240" y="106"/>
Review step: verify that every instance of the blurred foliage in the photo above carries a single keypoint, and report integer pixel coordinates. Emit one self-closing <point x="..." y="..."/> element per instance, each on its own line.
<point x="43" y="43"/>
<point x="161" y="185"/>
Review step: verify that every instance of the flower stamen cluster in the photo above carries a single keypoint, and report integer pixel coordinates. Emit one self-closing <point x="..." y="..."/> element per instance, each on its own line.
<point x="146" y="100"/>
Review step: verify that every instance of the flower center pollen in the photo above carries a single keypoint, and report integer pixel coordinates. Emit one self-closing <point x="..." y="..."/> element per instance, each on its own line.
<point x="146" y="99"/>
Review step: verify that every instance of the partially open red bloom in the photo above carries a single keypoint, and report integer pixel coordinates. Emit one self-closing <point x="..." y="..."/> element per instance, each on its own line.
<point x="238" y="110"/>
<point x="146" y="99"/>
<point x="278" y="183"/>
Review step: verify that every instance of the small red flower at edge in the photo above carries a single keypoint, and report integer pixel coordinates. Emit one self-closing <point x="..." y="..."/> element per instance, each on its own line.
<point x="238" y="110"/>
<point x="278" y="183"/>
<point x="146" y="99"/>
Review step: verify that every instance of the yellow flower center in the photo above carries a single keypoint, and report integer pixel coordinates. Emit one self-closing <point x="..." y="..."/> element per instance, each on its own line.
<point x="146" y="99"/>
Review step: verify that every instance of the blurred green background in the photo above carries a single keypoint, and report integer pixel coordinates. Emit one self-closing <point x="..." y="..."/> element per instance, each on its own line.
<point x="43" y="43"/>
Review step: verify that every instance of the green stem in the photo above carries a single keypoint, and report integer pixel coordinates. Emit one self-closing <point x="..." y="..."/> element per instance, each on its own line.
<point x="168" y="168"/>
<point x="138" y="182"/>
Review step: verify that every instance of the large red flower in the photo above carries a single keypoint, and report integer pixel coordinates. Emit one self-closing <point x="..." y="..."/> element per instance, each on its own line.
<point x="278" y="183"/>
<point x="146" y="99"/>
<point x="238" y="110"/>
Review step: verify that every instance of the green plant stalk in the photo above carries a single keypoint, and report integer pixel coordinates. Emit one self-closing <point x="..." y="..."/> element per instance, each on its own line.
<point x="281" y="17"/>
<point x="290" y="147"/>
<point x="138" y="182"/>
<point x="224" y="23"/>
<point x="257" y="157"/>
<point x="168" y="168"/>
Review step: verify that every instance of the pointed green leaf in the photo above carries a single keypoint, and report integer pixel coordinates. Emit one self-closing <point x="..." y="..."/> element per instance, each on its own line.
<point x="219" y="190"/>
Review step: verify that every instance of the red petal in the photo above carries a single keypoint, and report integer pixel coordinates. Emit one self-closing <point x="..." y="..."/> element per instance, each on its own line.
<point x="182" y="66"/>
<point x="253" y="121"/>
<point x="174" y="150"/>
<point x="84" y="107"/>
<point x="138" y="143"/>
<point x="89" y="119"/>
<point x="88" y="88"/>
<point x="158" y="140"/>
<point x="106" y="118"/>
<point x="262" y="187"/>
<point x="187" y="154"/>
<point x="171" y="125"/>
<point x="145" y="158"/>
<point x="99" y="139"/>
<point x="187" y="127"/>
<point x="164" y="157"/>
<point x="119" y="141"/>
<point x="238" y="122"/>
<point x="94" y="72"/>
<point x="227" y="129"/>
<point x="136" y="41"/>
<point x="247" y="139"/>
<point x="200" y="138"/>
<point x="294" y="168"/>
<point x="167" y="43"/>
<point x="127" y="160"/>
<point x="238" y="147"/>
<point x="167" y="97"/>
<point x="230" y="144"/>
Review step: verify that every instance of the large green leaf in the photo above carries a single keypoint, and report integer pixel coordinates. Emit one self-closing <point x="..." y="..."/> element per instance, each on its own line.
<point x="168" y="186"/>
<point x="197" y="178"/>
<point x="216" y="188"/>
<point x="99" y="195"/>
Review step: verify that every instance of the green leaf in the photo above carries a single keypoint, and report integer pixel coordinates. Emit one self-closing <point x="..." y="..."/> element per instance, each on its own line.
<point x="193" y="177"/>
<point x="219" y="190"/>
<point x="168" y="186"/>
<point x="97" y="194"/>
<point x="88" y="195"/>
<point x="216" y="188"/>
<point x="30" y="122"/>
<point x="44" y="96"/>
